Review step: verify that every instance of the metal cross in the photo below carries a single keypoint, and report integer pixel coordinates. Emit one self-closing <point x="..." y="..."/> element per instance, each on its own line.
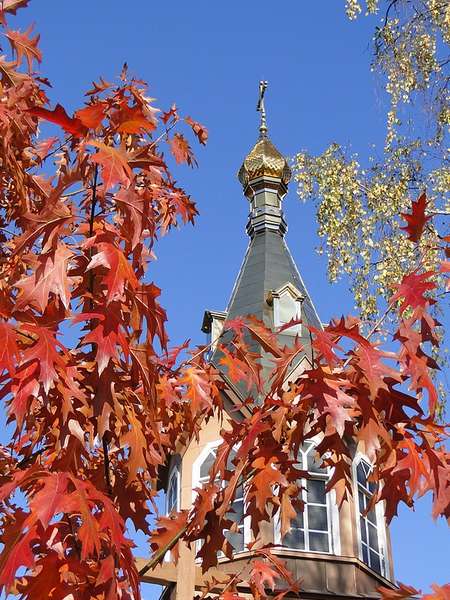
<point x="262" y="109"/>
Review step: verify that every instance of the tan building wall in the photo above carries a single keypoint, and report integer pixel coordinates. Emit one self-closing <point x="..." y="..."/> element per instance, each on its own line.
<point x="323" y="575"/>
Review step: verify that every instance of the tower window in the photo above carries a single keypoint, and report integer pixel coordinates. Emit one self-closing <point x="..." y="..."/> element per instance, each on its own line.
<point x="312" y="529"/>
<point x="287" y="305"/>
<point x="213" y="325"/>
<point x="236" y="514"/>
<point x="370" y="523"/>
<point x="173" y="491"/>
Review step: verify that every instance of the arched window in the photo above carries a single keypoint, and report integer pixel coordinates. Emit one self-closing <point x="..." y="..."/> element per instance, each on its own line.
<point x="371" y="527"/>
<point x="202" y="468"/>
<point x="172" y="497"/>
<point x="173" y="491"/>
<point x="316" y="528"/>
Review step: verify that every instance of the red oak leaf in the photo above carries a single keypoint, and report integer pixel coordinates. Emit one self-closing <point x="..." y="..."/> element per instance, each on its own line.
<point x="263" y="576"/>
<point x="92" y="115"/>
<point x="181" y="150"/>
<point x="167" y="534"/>
<point x="120" y="271"/>
<point x="114" y="163"/>
<point x="108" y="336"/>
<point x="416" y="219"/>
<point x="81" y="502"/>
<point x="59" y="116"/>
<point x="44" y="147"/>
<point x="25" y="46"/>
<point x="17" y="551"/>
<point x="243" y="371"/>
<point x="170" y="114"/>
<point x="197" y="389"/>
<point x="49" y="276"/>
<point x="133" y="120"/>
<point x="200" y="131"/>
<point x="48" y="501"/>
<point x="400" y="593"/>
<point x="440" y="592"/>
<point x="45" y="352"/>
<point x="9" y="350"/>
<point x="325" y="343"/>
<point x="267" y="475"/>
<point x="412" y="290"/>
<point x="11" y="6"/>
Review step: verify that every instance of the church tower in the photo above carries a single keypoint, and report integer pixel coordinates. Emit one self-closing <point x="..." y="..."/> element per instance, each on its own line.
<point x="339" y="553"/>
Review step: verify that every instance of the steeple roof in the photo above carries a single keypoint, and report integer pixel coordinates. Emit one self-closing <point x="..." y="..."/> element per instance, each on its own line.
<point x="267" y="266"/>
<point x="268" y="273"/>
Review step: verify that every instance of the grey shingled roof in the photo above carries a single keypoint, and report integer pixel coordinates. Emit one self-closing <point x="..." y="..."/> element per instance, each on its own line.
<point x="267" y="265"/>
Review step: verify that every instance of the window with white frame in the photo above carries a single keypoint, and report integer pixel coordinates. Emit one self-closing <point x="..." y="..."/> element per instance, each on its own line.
<point x="370" y="523"/>
<point x="286" y="307"/>
<point x="315" y="529"/>
<point x="172" y="498"/>
<point x="236" y="514"/>
<point x="173" y="491"/>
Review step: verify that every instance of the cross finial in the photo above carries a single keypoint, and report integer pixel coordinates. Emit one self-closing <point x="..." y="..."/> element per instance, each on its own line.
<point x="262" y="109"/>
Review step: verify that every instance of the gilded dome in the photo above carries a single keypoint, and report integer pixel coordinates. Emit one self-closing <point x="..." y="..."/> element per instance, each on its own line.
<point x="264" y="159"/>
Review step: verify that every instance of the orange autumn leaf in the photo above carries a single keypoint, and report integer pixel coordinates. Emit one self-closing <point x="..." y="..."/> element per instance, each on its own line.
<point x="113" y="162"/>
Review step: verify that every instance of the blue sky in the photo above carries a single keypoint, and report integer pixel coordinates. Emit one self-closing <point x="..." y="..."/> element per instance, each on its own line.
<point x="208" y="57"/>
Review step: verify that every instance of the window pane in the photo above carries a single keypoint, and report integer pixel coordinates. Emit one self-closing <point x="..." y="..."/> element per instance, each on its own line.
<point x="361" y="473"/>
<point x="373" y="537"/>
<point x="239" y="492"/>
<point x="172" y="493"/>
<point x="375" y="561"/>
<point x="316" y="491"/>
<point x="319" y="542"/>
<point x="298" y="521"/>
<point x="317" y="518"/>
<point x="365" y="554"/>
<point x="362" y="523"/>
<point x="314" y="462"/>
<point x="362" y="502"/>
<point x="230" y="465"/>
<point x="207" y="464"/>
<point x="238" y="511"/>
<point x="236" y="540"/>
<point x="371" y="515"/>
<point x="287" y="308"/>
<point x="294" y="539"/>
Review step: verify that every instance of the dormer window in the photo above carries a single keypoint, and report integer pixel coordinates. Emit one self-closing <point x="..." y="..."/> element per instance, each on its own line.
<point x="287" y="305"/>
<point x="212" y="325"/>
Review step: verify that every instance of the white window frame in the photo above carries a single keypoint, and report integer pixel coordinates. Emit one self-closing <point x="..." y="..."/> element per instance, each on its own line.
<point x="297" y="298"/>
<point x="380" y="525"/>
<point x="197" y="482"/>
<point x="334" y="538"/>
<point x="174" y="475"/>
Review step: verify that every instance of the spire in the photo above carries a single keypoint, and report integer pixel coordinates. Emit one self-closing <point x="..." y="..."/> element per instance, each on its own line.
<point x="269" y="285"/>
<point x="264" y="175"/>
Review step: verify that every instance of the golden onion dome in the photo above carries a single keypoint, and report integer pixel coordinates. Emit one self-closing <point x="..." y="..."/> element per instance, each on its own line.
<point x="264" y="160"/>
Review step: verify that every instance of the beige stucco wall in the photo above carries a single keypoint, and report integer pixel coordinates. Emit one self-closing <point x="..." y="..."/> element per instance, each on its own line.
<point x="343" y="575"/>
